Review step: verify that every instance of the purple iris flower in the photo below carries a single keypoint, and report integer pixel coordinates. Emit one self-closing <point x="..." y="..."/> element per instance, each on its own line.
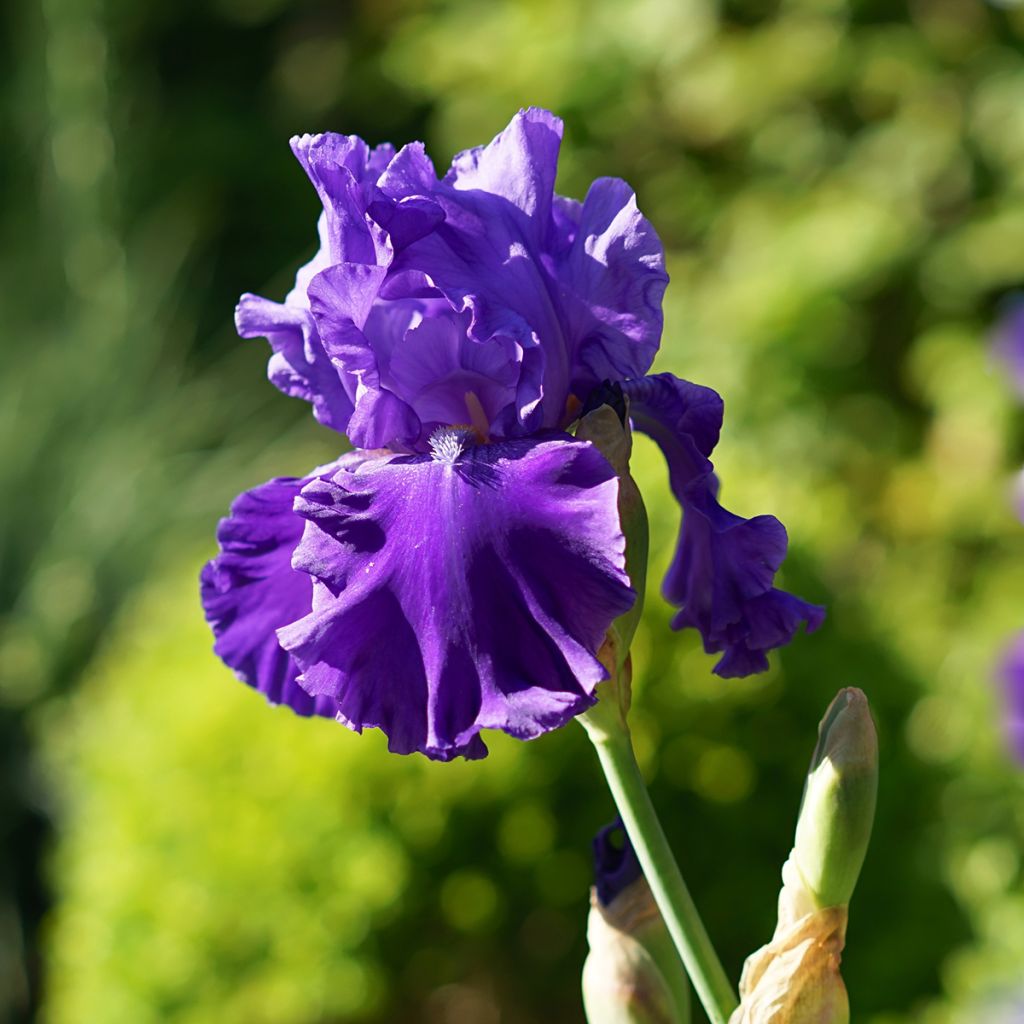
<point x="459" y="570"/>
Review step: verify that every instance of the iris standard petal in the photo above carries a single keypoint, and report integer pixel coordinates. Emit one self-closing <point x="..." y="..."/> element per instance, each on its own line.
<point x="614" y="280"/>
<point x="519" y="165"/>
<point x="343" y="170"/>
<point x="299" y="366"/>
<point x="463" y="590"/>
<point x="341" y="299"/>
<point x="722" y="575"/>
<point x="569" y="293"/>
<point x="577" y="286"/>
<point x="250" y="590"/>
<point x="438" y="370"/>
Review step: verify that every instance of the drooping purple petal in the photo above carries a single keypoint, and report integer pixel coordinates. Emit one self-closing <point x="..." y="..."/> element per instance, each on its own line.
<point x="1011" y="679"/>
<point x="722" y="575"/>
<point x="463" y="590"/>
<point x="250" y="590"/>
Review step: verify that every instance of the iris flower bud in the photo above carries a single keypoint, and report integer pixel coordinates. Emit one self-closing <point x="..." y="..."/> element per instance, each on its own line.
<point x="632" y="974"/>
<point x="795" y="978"/>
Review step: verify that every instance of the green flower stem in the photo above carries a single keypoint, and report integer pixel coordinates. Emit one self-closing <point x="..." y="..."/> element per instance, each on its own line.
<point x="611" y="738"/>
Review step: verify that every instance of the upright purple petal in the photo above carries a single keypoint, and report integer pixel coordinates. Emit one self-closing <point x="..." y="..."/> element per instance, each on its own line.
<point x="341" y="299"/>
<point x="564" y="294"/>
<point x="578" y="287"/>
<point x="250" y="590"/>
<point x="722" y="576"/>
<point x="437" y="368"/>
<point x="343" y="171"/>
<point x="463" y="590"/>
<point x="299" y="366"/>
<point x="519" y="165"/>
<point x="615" y="280"/>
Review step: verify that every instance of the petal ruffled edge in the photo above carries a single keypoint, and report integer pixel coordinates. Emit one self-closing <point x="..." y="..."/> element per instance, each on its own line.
<point x="299" y="366"/>
<point x="250" y="589"/>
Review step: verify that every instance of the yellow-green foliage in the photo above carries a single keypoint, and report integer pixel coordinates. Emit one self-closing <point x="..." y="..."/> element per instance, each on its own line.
<point x="228" y="861"/>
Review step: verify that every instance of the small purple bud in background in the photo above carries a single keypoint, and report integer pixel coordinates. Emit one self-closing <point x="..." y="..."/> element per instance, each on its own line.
<point x="1008" y="347"/>
<point x="632" y="974"/>
<point x="1008" y="342"/>
<point x="1011" y="680"/>
<point x="1017" y="495"/>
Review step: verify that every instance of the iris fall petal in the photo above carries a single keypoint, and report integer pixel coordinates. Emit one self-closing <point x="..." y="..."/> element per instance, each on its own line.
<point x="463" y="590"/>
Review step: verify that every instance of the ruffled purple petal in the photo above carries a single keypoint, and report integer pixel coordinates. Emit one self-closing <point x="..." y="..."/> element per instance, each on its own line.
<point x="299" y="366"/>
<point x="341" y="299"/>
<point x="250" y="590"/>
<point x="519" y="166"/>
<point x="722" y="576"/>
<point x="1011" y="678"/>
<point x="563" y="294"/>
<point x="437" y="368"/>
<point x="577" y="287"/>
<point x="464" y="590"/>
<point x="343" y="171"/>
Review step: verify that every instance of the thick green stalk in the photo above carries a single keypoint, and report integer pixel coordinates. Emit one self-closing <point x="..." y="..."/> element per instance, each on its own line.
<point x="611" y="739"/>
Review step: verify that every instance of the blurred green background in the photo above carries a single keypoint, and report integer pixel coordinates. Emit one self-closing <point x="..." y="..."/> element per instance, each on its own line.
<point x="840" y="188"/>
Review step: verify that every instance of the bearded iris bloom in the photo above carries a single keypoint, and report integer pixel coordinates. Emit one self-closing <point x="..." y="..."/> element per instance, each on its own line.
<point x="460" y="568"/>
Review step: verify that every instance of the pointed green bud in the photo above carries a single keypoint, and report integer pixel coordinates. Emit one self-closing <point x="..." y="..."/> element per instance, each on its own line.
<point x="604" y="422"/>
<point x="838" y="807"/>
<point x="795" y="978"/>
